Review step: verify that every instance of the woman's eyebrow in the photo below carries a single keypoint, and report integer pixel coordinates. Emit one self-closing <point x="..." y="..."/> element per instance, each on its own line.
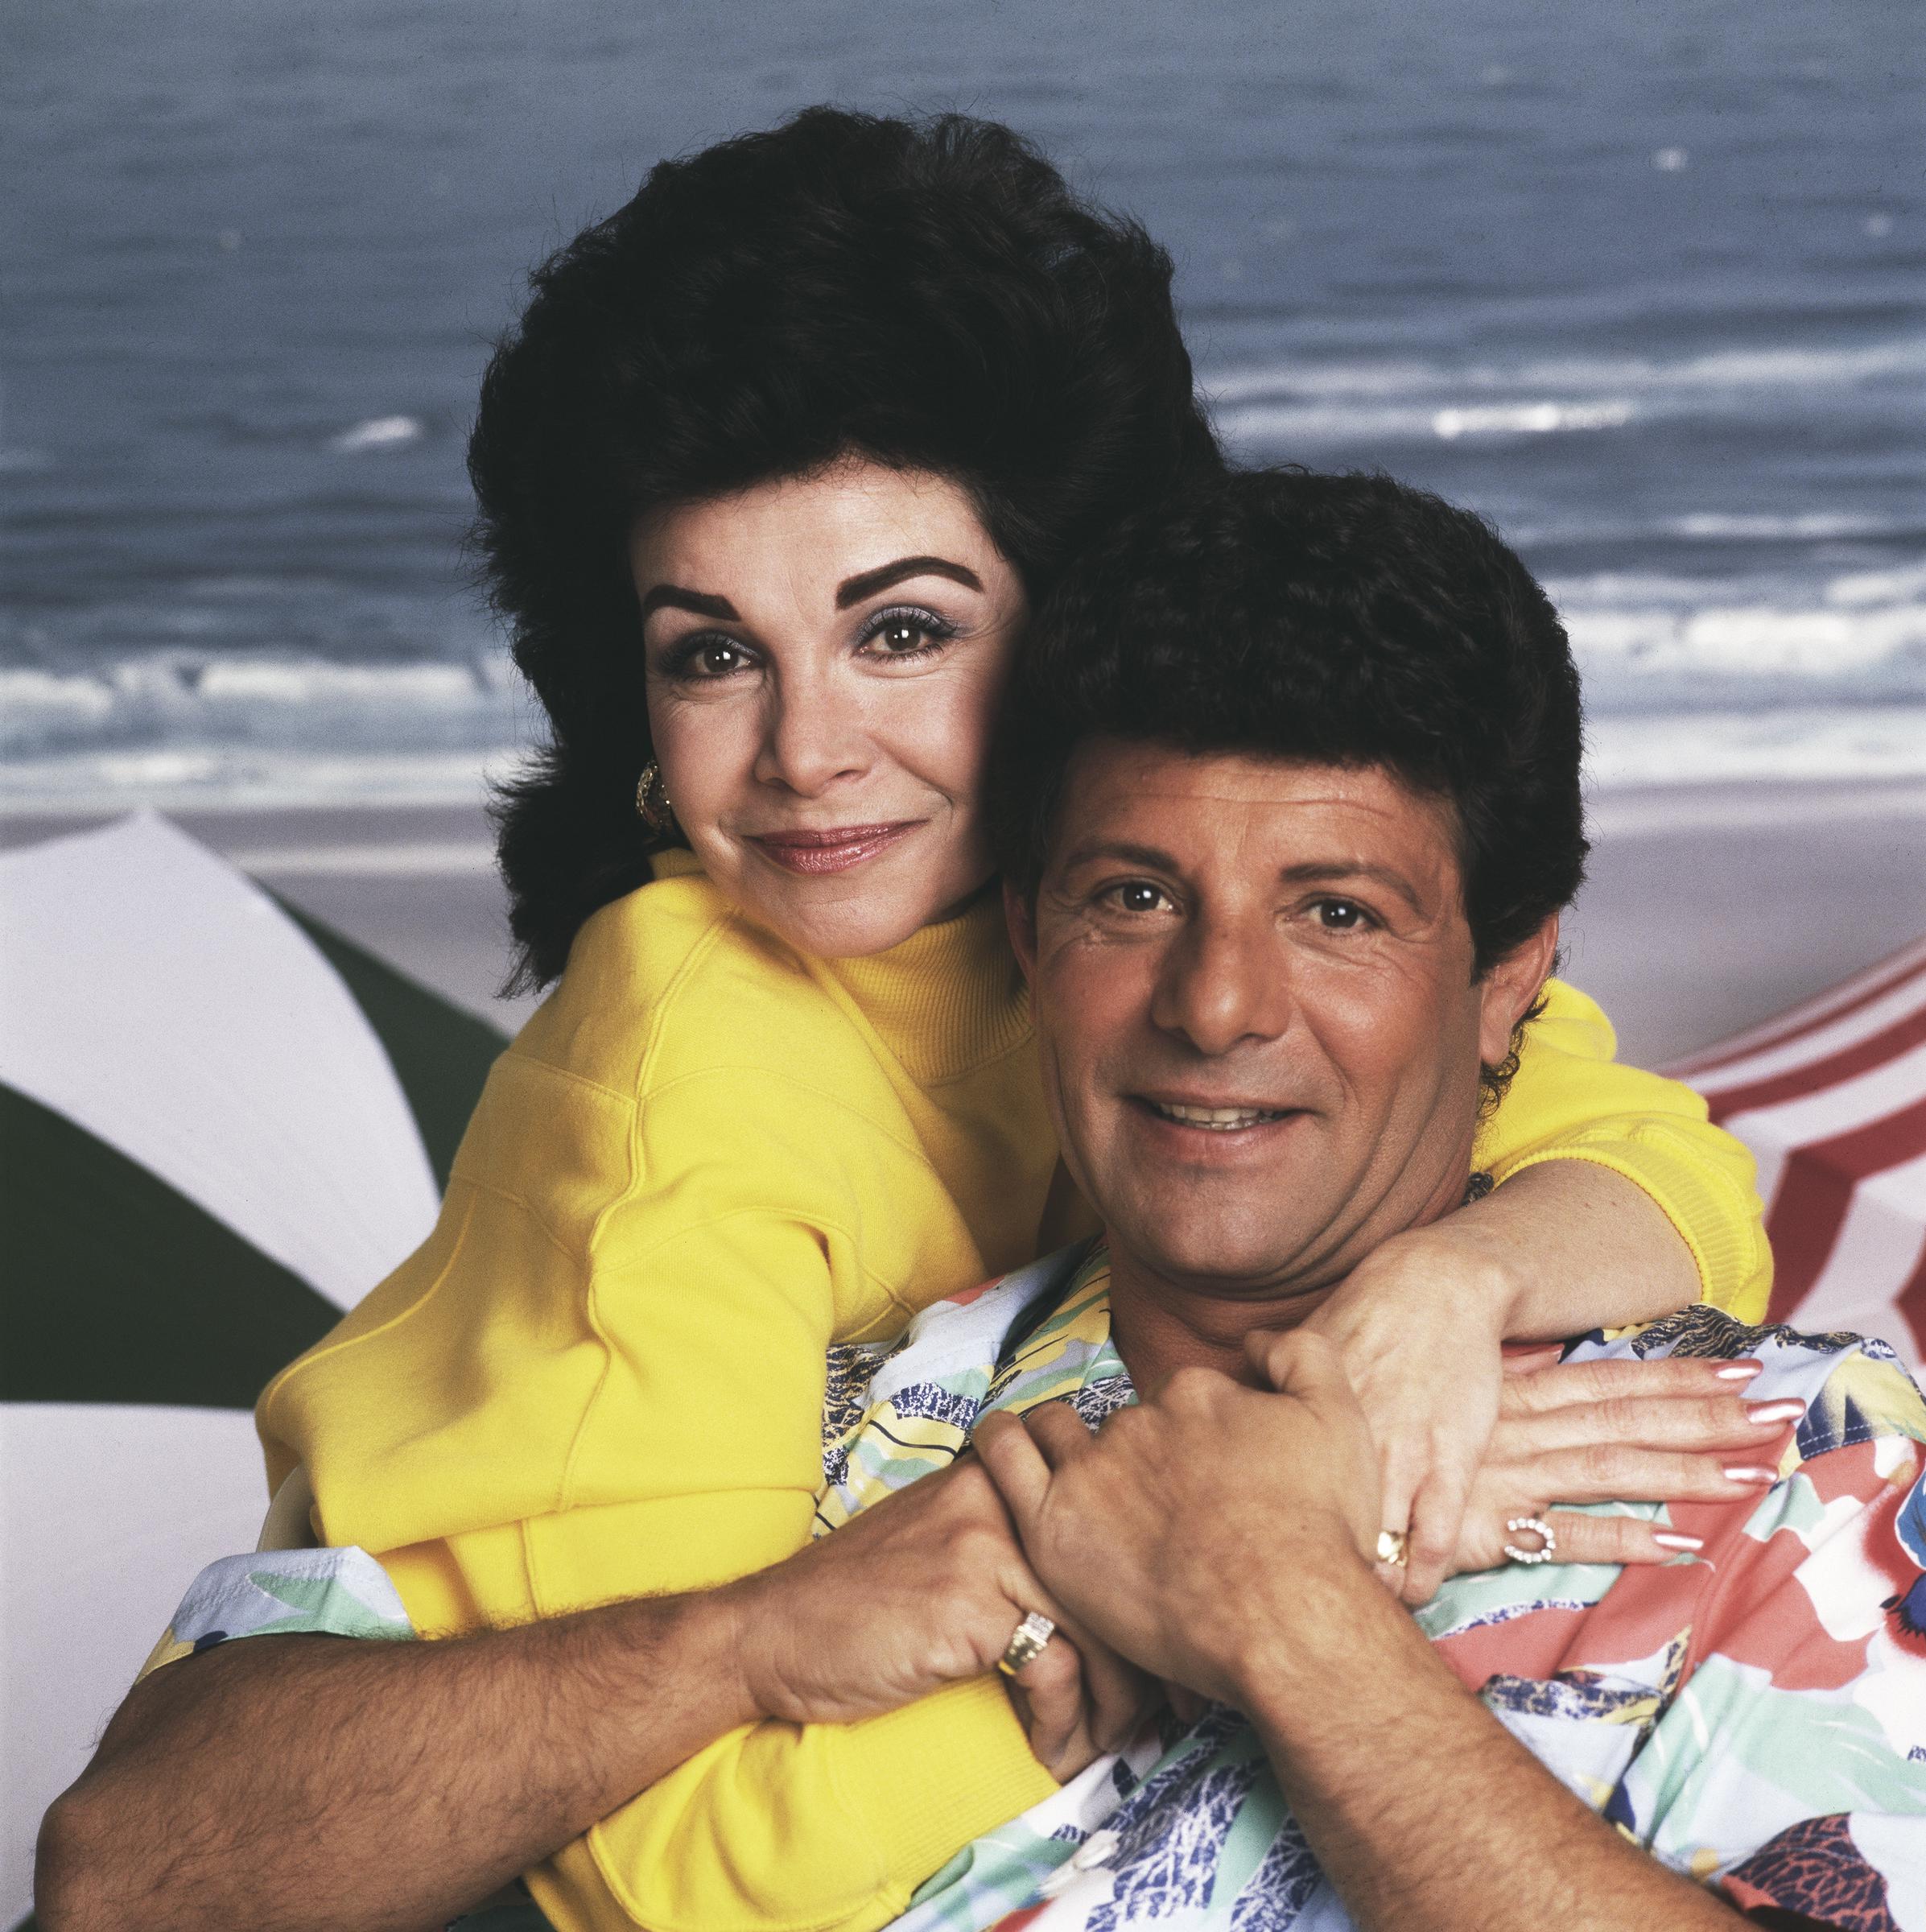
<point x="853" y="590"/>
<point x="673" y="597"/>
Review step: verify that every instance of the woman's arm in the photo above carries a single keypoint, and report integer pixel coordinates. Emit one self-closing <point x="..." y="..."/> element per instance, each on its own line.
<point x="297" y="1784"/>
<point x="602" y="1379"/>
<point x="1571" y="1102"/>
<point x="1617" y="1202"/>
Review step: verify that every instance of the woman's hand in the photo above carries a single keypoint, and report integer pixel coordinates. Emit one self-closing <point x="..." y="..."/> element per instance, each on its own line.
<point x="1678" y="1430"/>
<point x="926" y="1589"/>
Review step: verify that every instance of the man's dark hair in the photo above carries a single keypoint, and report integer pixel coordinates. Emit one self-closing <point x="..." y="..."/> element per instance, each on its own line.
<point x="929" y="294"/>
<point x="1339" y="619"/>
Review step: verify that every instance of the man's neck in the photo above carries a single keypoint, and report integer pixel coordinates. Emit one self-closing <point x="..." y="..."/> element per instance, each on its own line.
<point x="1160" y="1326"/>
<point x="1162" y="1323"/>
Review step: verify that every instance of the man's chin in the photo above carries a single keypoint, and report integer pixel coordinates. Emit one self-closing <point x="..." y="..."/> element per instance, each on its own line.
<point x="1211" y="1260"/>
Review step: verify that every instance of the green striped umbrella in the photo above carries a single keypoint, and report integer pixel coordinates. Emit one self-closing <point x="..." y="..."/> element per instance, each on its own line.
<point x="220" y="1123"/>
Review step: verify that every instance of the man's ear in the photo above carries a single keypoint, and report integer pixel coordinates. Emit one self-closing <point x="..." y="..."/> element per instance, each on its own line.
<point x="1509" y="987"/>
<point x="1020" y="915"/>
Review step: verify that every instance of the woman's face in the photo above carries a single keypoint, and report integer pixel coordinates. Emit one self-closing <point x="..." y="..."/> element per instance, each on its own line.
<point x="825" y="655"/>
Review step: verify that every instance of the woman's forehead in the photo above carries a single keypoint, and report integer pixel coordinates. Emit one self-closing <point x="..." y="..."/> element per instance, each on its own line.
<point x="845" y="522"/>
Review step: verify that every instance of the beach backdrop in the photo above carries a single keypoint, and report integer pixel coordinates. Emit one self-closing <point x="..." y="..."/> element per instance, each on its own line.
<point x="1642" y="283"/>
<point x="1641" y="280"/>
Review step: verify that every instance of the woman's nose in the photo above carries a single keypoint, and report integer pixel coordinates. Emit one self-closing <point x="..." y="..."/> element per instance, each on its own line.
<point x="815" y="736"/>
<point x="1222" y="986"/>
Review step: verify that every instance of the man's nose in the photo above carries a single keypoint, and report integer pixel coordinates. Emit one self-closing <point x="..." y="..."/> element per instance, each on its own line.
<point x="1223" y="985"/>
<point x="814" y="734"/>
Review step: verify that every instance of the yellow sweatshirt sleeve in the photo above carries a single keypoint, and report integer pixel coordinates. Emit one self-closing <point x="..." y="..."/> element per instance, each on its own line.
<point x="603" y="1376"/>
<point x="1572" y="1101"/>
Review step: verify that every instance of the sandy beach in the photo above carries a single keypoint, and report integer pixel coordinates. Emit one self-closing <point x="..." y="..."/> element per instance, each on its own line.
<point x="1707" y="908"/>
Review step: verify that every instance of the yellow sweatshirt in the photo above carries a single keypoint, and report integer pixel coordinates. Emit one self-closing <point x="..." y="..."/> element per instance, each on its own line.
<point x="706" y="1159"/>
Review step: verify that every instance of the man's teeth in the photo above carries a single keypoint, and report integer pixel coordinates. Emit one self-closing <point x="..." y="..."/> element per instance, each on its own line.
<point x="1221" y="1120"/>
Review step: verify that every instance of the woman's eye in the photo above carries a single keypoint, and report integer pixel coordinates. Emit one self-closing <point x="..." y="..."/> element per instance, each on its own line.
<point x="712" y="658"/>
<point x="907" y="633"/>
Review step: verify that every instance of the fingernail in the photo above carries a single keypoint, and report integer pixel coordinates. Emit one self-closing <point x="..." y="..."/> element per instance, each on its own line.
<point x="1738" y="1372"/>
<point x="1766" y="1413"/>
<point x="1667" y="1539"/>
<point x="1750" y="1472"/>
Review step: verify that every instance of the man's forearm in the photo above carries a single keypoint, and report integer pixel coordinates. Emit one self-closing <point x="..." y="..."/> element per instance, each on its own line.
<point x="1367" y="1728"/>
<point x="283" y="1783"/>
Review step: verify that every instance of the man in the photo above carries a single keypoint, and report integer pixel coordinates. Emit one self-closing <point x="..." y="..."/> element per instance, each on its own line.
<point x="1284" y="901"/>
<point x="1276" y="918"/>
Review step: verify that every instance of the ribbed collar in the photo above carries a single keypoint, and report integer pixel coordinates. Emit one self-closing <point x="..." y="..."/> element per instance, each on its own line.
<point x="949" y="999"/>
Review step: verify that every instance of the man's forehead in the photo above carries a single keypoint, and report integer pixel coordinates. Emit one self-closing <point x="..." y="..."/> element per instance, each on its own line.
<point x="1131" y="792"/>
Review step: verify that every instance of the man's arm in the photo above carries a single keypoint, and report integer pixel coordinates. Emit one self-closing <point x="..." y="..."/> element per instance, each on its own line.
<point x="284" y="1783"/>
<point x="1421" y="1807"/>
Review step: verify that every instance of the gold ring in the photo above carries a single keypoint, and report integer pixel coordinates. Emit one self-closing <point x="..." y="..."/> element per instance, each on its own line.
<point x="1026" y="1646"/>
<point x="1394" y="1547"/>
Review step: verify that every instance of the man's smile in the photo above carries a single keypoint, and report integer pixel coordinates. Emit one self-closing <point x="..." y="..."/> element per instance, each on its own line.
<point x="1211" y="1115"/>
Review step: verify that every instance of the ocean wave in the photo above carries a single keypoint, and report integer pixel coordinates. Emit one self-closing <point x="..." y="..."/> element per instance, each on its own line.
<point x="1775" y="366"/>
<point x="1312" y="401"/>
<point x="378" y="432"/>
<point x="174" y="696"/>
<point x="1845" y="744"/>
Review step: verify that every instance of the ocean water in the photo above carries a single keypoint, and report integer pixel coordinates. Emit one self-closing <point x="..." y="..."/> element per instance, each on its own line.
<point x="1644" y="284"/>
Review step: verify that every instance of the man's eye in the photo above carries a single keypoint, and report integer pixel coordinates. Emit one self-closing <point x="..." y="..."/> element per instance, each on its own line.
<point x="1342" y="915"/>
<point x="1137" y="895"/>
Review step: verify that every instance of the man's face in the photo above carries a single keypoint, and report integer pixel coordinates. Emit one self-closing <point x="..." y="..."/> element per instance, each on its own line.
<point x="1254" y="997"/>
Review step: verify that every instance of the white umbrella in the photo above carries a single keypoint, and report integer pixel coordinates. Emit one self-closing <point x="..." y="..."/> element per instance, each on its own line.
<point x="220" y="1125"/>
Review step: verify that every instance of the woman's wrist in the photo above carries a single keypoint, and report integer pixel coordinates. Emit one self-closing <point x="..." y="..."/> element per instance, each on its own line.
<point x="1446" y="1260"/>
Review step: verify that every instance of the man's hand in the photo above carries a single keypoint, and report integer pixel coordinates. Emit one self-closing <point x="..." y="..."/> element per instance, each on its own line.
<point x="1182" y="1533"/>
<point x="923" y="1590"/>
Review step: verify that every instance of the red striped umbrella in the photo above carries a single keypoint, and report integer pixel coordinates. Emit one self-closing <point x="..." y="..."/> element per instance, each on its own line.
<point x="1831" y="1098"/>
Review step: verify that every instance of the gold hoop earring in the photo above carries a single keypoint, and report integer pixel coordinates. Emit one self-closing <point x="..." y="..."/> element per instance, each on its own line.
<point x="651" y="805"/>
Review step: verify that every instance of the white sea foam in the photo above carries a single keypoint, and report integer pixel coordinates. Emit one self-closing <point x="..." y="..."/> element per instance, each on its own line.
<point x="1318" y="399"/>
<point x="1722" y="368"/>
<point x="1869" y="744"/>
<point x="1528" y="419"/>
<point x="181" y="696"/>
<point x="378" y="432"/>
<point x="218" y="778"/>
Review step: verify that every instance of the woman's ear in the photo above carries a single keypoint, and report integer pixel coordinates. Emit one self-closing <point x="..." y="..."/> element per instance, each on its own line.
<point x="1509" y="987"/>
<point x="1020" y="915"/>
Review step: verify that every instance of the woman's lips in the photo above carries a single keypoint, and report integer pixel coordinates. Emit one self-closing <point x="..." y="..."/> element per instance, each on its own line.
<point x="836" y="850"/>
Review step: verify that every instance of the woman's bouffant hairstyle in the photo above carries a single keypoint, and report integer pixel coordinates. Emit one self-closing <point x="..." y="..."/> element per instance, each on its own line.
<point x="928" y="294"/>
<point x="1340" y="620"/>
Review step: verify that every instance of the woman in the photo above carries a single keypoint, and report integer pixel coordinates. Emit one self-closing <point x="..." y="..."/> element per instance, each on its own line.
<point x="779" y="458"/>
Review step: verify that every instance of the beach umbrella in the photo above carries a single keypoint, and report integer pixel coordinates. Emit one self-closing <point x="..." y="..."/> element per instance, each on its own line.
<point x="1831" y="1098"/>
<point x="220" y="1124"/>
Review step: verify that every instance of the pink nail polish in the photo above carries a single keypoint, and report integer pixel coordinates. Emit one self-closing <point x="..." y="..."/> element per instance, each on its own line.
<point x="1738" y="1372"/>
<point x="1670" y="1539"/>
<point x="1766" y="1414"/>
<point x="1750" y="1472"/>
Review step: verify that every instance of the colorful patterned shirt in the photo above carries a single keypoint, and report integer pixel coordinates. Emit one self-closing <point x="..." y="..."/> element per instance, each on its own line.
<point x="1753" y="1715"/>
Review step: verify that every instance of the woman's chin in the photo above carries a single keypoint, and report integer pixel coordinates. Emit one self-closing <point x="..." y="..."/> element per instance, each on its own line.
<point x="817" y="919"/>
